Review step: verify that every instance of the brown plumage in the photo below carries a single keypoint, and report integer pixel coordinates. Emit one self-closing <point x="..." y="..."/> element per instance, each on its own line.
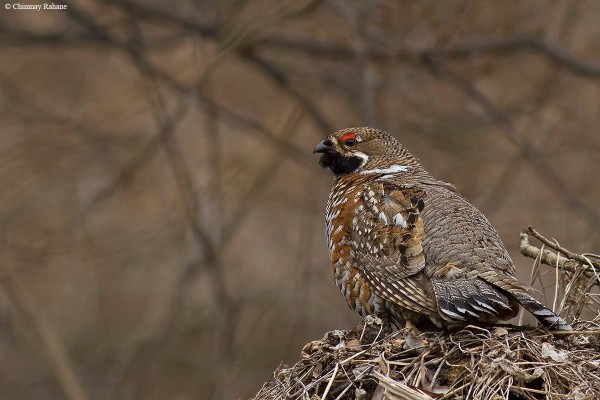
<point x="406" y="244"/>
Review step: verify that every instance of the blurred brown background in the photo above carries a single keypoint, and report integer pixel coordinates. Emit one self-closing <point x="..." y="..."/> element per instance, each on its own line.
<point x="162" y="214"/>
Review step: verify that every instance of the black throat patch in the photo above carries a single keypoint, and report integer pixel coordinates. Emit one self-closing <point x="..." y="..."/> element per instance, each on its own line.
<point x="339" y="164"/>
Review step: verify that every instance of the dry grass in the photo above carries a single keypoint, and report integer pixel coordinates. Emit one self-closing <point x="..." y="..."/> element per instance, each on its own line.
<point x="501" y="362"/>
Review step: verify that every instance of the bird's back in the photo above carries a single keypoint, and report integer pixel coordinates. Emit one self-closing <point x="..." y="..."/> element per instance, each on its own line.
<point x="457" y="232"/>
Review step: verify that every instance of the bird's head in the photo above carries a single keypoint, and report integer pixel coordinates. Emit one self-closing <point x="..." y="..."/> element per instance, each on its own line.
<point x="355" y="150"/>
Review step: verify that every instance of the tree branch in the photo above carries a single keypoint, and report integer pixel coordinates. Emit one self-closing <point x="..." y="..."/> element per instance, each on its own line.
<point x="550" y="51"/>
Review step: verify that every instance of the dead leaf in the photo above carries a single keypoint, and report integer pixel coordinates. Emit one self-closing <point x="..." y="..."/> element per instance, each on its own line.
<point x="500" y="332"/>
<point x="548" y="351"/>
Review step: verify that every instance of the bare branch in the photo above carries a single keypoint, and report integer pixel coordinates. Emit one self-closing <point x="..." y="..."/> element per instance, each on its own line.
<point x="56" y="353"/>
<point x="330" y="50"/>
<point x="535" y="157"/>
<point x="281" y="79"/>
<point x="547" y="257"/>
<point x="164" y="15"/>
<point x="554" y="245"/>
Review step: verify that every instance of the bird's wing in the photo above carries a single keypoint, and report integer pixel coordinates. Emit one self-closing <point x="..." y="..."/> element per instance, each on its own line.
<point x="388" y="223"/>
<point x="386" y="233"/>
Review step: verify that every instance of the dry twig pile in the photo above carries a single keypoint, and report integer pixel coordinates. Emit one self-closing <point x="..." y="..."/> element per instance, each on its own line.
<point x="501" y="362"/>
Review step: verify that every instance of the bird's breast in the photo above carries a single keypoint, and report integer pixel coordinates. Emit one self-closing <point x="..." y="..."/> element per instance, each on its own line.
<point x="344" y="201"/>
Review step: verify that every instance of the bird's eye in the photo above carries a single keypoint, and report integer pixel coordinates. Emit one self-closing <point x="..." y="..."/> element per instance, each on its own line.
<point x="350" y="142"/>
<point x="349" y="139"/>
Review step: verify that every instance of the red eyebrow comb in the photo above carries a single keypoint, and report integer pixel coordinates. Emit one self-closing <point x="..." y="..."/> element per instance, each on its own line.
<point x="349" y="135"/>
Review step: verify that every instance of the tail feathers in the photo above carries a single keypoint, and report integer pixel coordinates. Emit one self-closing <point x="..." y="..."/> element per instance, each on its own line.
<point x="542" y="313"/>
<point x="520" y="292"/>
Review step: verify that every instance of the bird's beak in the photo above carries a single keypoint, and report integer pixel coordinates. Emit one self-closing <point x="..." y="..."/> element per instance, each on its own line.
<point x="323" y="147"/>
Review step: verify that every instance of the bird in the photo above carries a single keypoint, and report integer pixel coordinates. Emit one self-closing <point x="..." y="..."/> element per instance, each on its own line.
<point x="409" y="247"/>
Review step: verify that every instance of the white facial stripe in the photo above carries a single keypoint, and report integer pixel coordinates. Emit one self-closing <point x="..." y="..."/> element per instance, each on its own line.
<point x="363" y="156"/>
<point x="394" y="168"/>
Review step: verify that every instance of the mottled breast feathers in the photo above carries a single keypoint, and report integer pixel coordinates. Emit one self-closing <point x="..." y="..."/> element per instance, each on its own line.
<point x="387" y="223"/>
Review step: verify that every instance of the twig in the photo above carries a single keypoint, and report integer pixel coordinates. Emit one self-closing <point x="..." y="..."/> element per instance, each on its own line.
<point x="164" y="15"/>
<point x="592" y="332"/>
<point x="557" y="247"/>
<point x="282" y="80"/>
<point x="535" y="273"/>
<point x="454" y="391"/>
<point x="556" y="285"/>
<point x="54" y="347"/>
<point x="535" y="157"/>
<point x="551" y="51"/>
<point x="547" y="257"/>
<point x="335" y="371"/>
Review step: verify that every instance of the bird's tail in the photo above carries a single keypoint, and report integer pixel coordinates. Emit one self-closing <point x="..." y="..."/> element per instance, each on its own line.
<point x="520" y="292"/>
<point x="546" y="317"/>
